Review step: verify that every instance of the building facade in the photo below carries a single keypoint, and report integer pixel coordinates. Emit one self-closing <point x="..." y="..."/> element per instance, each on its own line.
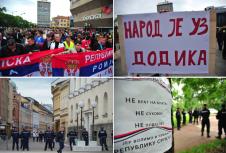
<point x="92" y="14"/>
<point x="43" y="13"/>
<point x="60" y="22"/>
<point x="4" y="102"/>
<point x="16" y="108"/>
<point x="165" y="7"/>
<point x="25" y="114"/>
<point x="97" y="97"/>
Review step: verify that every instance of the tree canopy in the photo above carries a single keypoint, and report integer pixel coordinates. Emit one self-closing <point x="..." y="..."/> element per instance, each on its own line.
<point x="192" y="93"/>
<point x="8" y="20"/>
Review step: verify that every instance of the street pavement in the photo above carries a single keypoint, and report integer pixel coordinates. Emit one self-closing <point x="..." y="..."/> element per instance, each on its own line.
<point x="38" y="147"/>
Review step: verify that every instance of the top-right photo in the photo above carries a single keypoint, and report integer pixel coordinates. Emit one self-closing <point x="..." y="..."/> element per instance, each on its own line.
<point x="169" y="38"/>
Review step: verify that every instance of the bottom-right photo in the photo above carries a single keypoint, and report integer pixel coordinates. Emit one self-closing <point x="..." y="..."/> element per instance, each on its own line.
<point x="169" y="115"/>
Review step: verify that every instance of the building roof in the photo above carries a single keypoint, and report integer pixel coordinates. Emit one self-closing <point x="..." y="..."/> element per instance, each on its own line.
<point x="61" y="17"/>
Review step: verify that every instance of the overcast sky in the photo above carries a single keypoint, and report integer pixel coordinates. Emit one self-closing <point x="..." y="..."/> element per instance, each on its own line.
<point x="39" y="89"/>
<point x="150" y="6"/>
<point x="29" y="7"/>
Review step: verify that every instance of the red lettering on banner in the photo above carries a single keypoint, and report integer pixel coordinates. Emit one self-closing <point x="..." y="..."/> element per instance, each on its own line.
<point x="142" y="26"/>
<point x="200" y="23"/>
<point x="157" y="29"/>
<point x="162" y="61"/>
<point x="190" y="57"/>
<point x="202" y="57"/>
<point x="127" y="30"/>
<point x="181" y="58"/>
<point x="135" y="30"/>
<point x="149" y="29"/>
<point x="137" y="61"/>
<point x="150" y="55"/>
<point x="176" y="27"/>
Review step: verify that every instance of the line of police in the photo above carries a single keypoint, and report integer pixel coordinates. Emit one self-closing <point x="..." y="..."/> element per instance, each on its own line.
<point x="204" y="114"/>
<point x="50" y="136"/>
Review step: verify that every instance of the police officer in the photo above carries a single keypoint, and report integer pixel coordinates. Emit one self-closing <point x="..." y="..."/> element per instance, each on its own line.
<point x="196" y="116"/>
<point x="60" y="139"/>
<point x="205" y="113"/>
<point x="85" y="136"/>
<point x="15" y="136"/>
<point x="184" y="117"/>
<point x="49" y="135"/>
<point x="221" y="116"/>
<point x="25" y="135"/>
<point x="103" y="136"/>
<point x="72" y="136"/>
<point x="190" y="116"/>
<point x="178" y="117"/>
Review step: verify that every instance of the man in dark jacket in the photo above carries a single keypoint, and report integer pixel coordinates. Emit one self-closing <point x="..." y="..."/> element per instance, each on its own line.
<point x="31" y="46"/>
<point x="49" y="135"/>
<point x="178" y="117"/>
<point x="224" y="40"/>
<point x="60" y="139"/>
<point x="15" y="136"/>
<point x="25" y="135"/>
<point x="103" y="136"/>
<point x="221" y="116"/>
<point x="85" y="136"/>
<point x="72" y="135"/>
<point x="12" y="49"/>
<point x="205" y="120"/>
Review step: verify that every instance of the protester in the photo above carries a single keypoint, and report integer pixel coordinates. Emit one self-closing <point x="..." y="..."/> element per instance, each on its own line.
<point x="12" y="49"/>
<point x="56" y="43"/>
<point x="47" y="42"/>
<point x="3" y="41"/>
<point x="31" y="47"/>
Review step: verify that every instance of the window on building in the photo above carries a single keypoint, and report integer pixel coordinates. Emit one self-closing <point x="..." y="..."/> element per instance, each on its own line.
<point x="97" y="105"/>
<point x="105" y="105"/>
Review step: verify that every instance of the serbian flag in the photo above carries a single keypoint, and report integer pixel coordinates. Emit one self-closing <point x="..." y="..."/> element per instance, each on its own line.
<point x="35" y="64"/>
<point x="98" y="63"/>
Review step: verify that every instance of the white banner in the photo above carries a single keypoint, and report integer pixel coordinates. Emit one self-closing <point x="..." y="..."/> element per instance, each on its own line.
<point x="142" y="122"/>
<point x="167" y="43"/>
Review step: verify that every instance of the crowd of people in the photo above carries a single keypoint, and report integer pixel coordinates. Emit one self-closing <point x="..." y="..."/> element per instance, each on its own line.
<point x="23" y="41"/>
<point x="49" y="137"/>
<point x="203" y="116"/>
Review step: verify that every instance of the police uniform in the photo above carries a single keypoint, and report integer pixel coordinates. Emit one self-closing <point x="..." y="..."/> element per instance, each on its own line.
<point x="25" y="135"/>
<point x="221" y="116"/>
<point x="49" y="135"/>
<point x="72" y="135"/>
<point x="15" y="136"/>
<point x="60" y="139"/>
<point x="178" y="117"/>
<point x="85" y="136"/>
<point x="103" y="136"/>
<point x="205" y="121"/>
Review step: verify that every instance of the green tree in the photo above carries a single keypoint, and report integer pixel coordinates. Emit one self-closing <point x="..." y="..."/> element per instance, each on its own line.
<point x="197" y="91"/>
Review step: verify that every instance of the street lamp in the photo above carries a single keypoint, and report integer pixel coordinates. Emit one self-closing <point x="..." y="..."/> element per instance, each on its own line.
<point x="94" y="104"/>
<point x="81" y="105"/>
<point x="77" y="112"/>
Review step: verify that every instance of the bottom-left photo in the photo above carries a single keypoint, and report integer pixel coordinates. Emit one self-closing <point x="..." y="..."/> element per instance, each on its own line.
<point x="56" y="114"/>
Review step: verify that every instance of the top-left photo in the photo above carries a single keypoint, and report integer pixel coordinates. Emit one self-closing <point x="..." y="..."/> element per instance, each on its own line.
<point x="56" y="38"/>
